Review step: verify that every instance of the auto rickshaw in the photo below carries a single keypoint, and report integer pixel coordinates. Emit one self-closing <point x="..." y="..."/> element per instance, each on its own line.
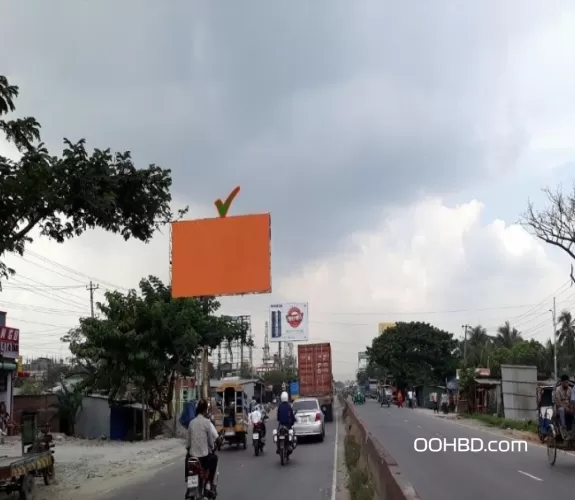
<point x="231" y="415"/>
<point x="359" y="398"/>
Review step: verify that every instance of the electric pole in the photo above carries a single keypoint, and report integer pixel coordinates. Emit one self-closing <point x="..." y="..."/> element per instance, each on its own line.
<point x="92" y="288"/>
<point x="465" y="327"/>
<point x="554" y="313"/>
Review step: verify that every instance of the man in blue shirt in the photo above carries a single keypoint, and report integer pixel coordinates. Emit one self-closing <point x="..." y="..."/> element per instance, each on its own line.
<point x="286" y="416"/>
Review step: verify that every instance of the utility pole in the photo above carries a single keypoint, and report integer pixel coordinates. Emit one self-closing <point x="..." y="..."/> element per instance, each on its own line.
<point x="92" y="288"/>
<point x="465" y="327"/>
<point x="554" y="313"/>
<point x="205" y="364"/>
<point x="280" y="355"/>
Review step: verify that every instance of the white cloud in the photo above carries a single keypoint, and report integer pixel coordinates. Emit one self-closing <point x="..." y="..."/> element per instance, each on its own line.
<point x="426" y="263"/>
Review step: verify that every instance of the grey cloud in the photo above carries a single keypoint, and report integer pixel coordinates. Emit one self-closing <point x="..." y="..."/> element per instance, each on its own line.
<point x="368" y="103"/>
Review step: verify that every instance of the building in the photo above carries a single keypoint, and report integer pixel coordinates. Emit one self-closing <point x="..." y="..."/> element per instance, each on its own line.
<point x="9" y="352"/>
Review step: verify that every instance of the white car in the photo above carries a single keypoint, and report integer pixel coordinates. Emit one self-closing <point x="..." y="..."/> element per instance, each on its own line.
<point x="309" y="418"/>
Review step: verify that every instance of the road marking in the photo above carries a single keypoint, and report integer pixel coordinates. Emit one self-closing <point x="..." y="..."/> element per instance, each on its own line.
<point x="419" y="426"/>
<point x="529" y="475"/>
<point x="405" y="420"/>
<point x="334" y="477"/>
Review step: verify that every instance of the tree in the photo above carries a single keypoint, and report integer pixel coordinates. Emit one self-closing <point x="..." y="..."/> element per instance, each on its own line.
<point x="66" y="195"/>
<point x="144" y="340"/>
<point x="555" y="224"/>
<point x="479" y="344"/>
<point x="566" y="332"/>
<point x="507" y="336"/>
<point x="415" y="353"/>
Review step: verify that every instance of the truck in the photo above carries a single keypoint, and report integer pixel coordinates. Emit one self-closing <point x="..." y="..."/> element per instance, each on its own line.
<point x="316" y="376"/>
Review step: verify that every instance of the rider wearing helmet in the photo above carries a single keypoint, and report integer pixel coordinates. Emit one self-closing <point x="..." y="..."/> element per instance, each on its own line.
<point x="286" y="416"/>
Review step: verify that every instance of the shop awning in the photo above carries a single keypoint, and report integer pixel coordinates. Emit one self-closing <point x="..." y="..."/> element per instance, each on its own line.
<point x="8" y="366"/>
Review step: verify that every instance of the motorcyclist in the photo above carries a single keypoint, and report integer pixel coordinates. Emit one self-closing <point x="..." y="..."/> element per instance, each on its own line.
<point x="256" y="417"/>
<point x="286" y="416"/>
<point x="201" y="442"/>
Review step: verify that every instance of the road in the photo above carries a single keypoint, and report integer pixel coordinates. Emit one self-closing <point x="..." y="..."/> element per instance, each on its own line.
<point x="243" y="475"/>
<point x="449" y="475"/>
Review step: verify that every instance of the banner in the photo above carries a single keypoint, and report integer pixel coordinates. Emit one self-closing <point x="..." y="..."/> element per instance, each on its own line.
<point x="9" y="342"/>
<point x="381" y="327"/>
<point x="289" y="322"/>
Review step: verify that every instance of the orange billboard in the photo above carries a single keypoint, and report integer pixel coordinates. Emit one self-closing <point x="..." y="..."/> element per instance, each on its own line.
<point x="221" y="256"/>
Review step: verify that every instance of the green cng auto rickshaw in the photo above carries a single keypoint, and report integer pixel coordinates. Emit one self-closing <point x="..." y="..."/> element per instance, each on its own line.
<point x="359" y="398"/>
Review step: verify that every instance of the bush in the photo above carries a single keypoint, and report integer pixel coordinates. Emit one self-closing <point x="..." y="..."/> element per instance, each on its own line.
<point x="358" y="484"/>
<point x="504" y="423"/>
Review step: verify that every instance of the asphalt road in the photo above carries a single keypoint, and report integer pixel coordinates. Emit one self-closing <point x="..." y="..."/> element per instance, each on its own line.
<point x="243" y="475"/>
<point x="449" y="475"/>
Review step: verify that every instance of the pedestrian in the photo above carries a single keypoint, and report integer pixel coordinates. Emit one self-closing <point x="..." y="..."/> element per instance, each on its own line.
<point x="433" y="399"/>
<point x="399" y="399"/>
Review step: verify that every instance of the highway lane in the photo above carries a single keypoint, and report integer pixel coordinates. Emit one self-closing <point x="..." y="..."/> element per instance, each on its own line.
<point x="454" y="475"/>
<point x="243" y="475"/>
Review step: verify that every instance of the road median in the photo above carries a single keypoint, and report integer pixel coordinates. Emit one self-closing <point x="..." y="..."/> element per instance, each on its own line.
<point x="370" y="464"/>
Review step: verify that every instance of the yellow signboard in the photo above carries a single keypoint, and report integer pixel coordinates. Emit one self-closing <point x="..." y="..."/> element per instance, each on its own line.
<point x="381" y="327"/>
<point x="20" y="365"/>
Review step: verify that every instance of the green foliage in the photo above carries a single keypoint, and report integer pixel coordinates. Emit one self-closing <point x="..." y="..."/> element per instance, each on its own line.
<point x="359" y="483"/>
<point x="503" y="423"/>
<point x="144" y="339"/>
<point x="415" y="353"/>
<point x="65" y="195"/>
<point x="29" y="387"/>
<point x="275" y="378"/>
<point x="69" y="404"/>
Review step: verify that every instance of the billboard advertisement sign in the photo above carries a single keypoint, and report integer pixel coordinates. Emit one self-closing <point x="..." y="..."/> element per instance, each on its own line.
<point x="381" y="327"/>
<point x="9" y="342"/>
<point x="289" y="322"/>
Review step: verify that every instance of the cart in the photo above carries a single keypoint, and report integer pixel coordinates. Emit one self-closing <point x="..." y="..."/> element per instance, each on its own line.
<point x="18" y="474"/>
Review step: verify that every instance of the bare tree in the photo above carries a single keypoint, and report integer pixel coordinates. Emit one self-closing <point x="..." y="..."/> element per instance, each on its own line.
<point x="554" y="224"/>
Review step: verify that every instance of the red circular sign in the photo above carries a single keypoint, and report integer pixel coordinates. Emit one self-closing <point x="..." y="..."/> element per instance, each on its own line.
<point x="294" y="317"/>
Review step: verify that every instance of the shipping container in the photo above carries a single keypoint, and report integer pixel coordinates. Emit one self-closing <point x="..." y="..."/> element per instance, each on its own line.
<point x="315" y="375"/>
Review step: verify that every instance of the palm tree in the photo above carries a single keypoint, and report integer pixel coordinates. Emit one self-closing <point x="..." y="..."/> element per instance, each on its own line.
<point x="478" y="344"/>
<point x="566" y="332"/>
<point x="507" y="336"/>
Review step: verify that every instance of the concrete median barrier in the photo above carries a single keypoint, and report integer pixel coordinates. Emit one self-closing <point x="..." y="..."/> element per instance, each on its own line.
<point x="387" y="481"/>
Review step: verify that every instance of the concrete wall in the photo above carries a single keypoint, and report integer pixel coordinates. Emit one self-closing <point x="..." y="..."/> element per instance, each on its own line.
<point x="383" y="470"/>
<point x="93" y="420"/>
<point x="47" y="404"/>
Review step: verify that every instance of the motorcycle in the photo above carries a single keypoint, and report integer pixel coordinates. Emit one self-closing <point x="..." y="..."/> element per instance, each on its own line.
<point x="197" y="477"/>
<point x="286" y="442"/>
<point x="258" y="436"/>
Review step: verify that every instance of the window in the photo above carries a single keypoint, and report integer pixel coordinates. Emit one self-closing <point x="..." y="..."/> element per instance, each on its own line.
<point x="305" y="406"/>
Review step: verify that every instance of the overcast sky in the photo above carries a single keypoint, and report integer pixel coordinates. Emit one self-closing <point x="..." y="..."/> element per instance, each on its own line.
<point x="394" y="145"/>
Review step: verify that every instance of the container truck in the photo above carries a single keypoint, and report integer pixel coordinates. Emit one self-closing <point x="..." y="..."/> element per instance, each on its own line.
<point x="315" y="375"/>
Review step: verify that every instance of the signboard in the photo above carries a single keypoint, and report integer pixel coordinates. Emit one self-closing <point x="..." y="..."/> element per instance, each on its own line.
<point x="361" y="356"/>
<point x="222" y="255"/>
<point x="9" y="342"/>
<point x="381" y="327"/>
<point x="289" y="322"/>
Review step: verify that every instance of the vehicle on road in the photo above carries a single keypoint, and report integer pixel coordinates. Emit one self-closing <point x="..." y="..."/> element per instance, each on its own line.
<point x="197" y="476"/>
<point x="231" y="415"/>
<point x="545" y="407"/>
<point x="359" y="398"/>
<point x="315" y="375"/>
<point x="285" y="443"/>
<point x="558" y="438"/>
<point x="258" y="436"/>
<point x="310" y="420"/>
